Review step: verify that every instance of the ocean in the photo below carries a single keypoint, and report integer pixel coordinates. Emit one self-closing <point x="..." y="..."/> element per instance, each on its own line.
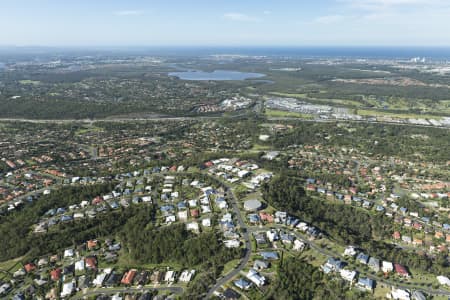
<point x="376" y="52"/>
<point x="433" y="53"/>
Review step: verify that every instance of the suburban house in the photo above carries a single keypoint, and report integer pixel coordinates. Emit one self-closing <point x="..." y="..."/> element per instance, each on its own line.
<point x="299" y="245"/>
<point x="350" y="251"/>
<point x="254" y="277"/>
<point x="56" y="274"/>
<point x="401" y="270"/>
<point x="68" y="289"/>
<point x="387" y="267"/>
<point x="348" y="275"/>
<point x="260" y="265"/>
<point x="170" y="276"/>
<point x="365" y="283"/>
<point x="128" y="277"/>
<point x="269" y="255"/>
<point x="187" y="275"/>
<point x="242" y="284"/>
<point x="332" y="265"/>
<point x="374" y="264"/>
<point x="362" y="258"/>
<point x="400" y="294"/>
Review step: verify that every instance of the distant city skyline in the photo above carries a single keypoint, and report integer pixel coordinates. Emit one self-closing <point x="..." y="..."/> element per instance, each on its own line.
<point x="224" y="23"/>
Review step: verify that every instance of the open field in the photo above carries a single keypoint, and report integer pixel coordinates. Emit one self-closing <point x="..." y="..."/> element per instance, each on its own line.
<point x="289" y="114"/>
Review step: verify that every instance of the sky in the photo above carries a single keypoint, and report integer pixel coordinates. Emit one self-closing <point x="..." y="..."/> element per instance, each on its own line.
<point x="224" y="23"/>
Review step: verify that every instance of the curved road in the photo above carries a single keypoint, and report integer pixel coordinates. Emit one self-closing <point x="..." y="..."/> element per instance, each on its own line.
<point x="248" y="246"/>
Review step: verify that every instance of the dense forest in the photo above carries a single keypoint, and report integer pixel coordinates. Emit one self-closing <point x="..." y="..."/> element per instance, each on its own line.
<point x="173" y="244"/>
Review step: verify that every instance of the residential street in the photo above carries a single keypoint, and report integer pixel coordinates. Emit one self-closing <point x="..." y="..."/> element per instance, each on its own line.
<point x="248" y="247"/>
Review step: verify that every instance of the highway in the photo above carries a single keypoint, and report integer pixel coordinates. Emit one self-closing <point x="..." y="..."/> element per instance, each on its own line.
<point x="168" y="118"/>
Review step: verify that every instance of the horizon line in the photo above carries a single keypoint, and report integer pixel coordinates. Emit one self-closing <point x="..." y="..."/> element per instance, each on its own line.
<point x="228" y="46"/>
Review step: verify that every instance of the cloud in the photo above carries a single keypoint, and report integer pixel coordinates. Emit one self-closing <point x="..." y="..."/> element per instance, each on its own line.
<point x="394" y="11"/>
<point x="129" y="13"/>
<point x="329" y="19"/>
<point x="376" y="5"/>
<point x="240" y="17"/>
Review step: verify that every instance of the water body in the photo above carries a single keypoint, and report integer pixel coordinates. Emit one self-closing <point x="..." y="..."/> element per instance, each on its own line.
<point x="220" y="75"/>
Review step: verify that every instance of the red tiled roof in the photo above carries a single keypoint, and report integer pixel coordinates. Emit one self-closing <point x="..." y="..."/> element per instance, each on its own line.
<point x="91" y="262"/>
<point x="396" y="235"/>
<point x="195" y="213"/>
<point x="401" y="270"/>
<point x="30" y="267"/>
<point x="128" y="277"/>
<point x="56" y="274"/>
<point x="91" y="244"/>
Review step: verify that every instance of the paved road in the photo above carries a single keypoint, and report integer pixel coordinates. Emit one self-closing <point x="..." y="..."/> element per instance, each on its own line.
<point x="99" y="291"/>
<point x="168" y="118"/>
<point x="248" y="247"/>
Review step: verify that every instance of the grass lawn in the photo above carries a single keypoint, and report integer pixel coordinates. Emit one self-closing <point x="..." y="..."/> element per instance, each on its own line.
<point x="88" y="129"/>
<point x="280" y="113"/>
<point x="258" y="147"/>
<point x="10" y="264"/>
<point x="33" y="82"/>
<point x="229" y="266"/>
<point x="381" y="291"/>
<point x="313" y="257"/>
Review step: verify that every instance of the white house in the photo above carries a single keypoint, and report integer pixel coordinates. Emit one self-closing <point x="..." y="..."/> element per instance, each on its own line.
<point x="350" y="251"/>
<point x="186" y="275"/>
<point x="79" y="265"/>
<point x="254" y="277"/>
<point x="205" y="209"/>
<point x="348" y="275"/>
<point x="192" y="226"/>
<point x="206" y="222"/>
<point x="299" y="245"/>
<point x="232" y="243"/>
<point x="387" y="267"/>
<point x="170" y="276"/>
<point x="272" y="235"/>
<point x="68" y="253"/>
<point x="302" y="226"/>
<point x="243" y="173"/>
<point x="443" y="280"/>
<point x="170" y="219"/>
<point x="68" y="289"/>
<point x="183" y="215"/>
<point x="147" y="199"/>
<point x="400" y="294"/>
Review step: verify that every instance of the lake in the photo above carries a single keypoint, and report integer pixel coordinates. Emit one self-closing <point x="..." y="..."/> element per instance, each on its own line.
<point x="215" y="75"/>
